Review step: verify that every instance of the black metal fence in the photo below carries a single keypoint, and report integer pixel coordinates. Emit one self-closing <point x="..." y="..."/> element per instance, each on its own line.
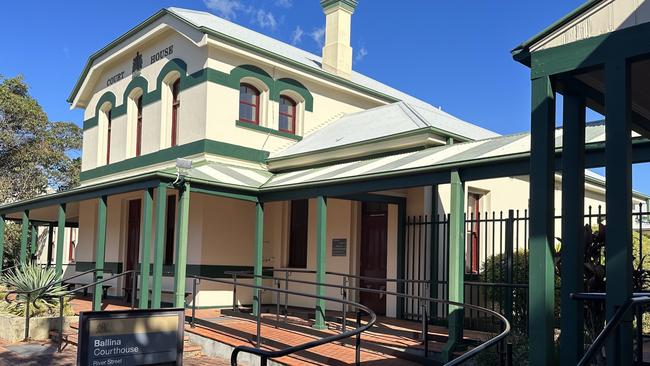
<point x="496" y="261"/>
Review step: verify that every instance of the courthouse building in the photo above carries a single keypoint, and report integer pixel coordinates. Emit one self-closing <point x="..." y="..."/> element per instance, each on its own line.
<point x="297" y="161"/>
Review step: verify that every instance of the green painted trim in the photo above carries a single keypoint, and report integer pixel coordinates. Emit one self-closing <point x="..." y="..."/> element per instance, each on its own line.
<point x="60" y="237"/>
<point x="321" y="259"/>
<point x="218" y="193"/>
<point x="618" y="242"/>
<point x="383" y="140"/>
<point x="180" y="269"/>
<point x="159" y="245"/>
<point x="523" y="48"/>
<point x="251" y="71"/>
<point x="235" y="42"/>
<point x="171" y="153"/>
<point x="23" y="237"/>
<point x="284" y="84"/>
<point x="349" y="5"/>
<point x="112" y="267"/>
<point x="266" y="130"/>
<point x="177" y="65"/>
<point x="100" y="251"/>
<point x="33" y="246"/>
<point x="130" y="184"/>
<point x="145" y="245"/>
<point x="573" y="203"/>
<point x="232" y="80"/>
<point x="2" y="240"/>
<point x="434" y="260"/>
<point x="595" y="51"/>
<point x="456" y="268"/>
<point x="206" y="270"/>
<point x="401" y="254"/>
<point x="93" y="121"/>
<point x="137" y="82"/>
<point x="541" y="292"/>
<point x="258" y="245"/>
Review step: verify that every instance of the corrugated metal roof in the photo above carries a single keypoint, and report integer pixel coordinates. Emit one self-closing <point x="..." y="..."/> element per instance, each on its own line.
<point x="230" y="175"/>
<point x="448" y="155"/>
<point x="215" y="23"/>
<point x="381" y="122"/>
<point x="456" y="154"/>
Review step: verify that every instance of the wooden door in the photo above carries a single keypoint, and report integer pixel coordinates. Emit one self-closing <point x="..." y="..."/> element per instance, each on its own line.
<point x="374" y="242"/>
<point x="472" y="254"/>
<point x="132" y="244"/>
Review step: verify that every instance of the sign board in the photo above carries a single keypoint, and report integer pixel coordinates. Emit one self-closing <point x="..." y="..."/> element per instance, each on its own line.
<point x="131" y="337"/>
<point x="339" y="247"/>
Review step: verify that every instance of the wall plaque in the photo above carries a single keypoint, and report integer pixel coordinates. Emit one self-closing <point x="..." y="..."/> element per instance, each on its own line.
<point x="339" y="247"/>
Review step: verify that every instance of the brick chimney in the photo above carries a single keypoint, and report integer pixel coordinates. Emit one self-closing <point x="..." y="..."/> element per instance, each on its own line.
<point x="337" y="53"/>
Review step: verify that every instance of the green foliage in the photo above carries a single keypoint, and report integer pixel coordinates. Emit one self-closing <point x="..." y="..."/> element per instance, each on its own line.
<point x="35" y="153"/>
<point x="494" y="270"/>
<point x="519" y="341"/>
<point x="28" y="278"/>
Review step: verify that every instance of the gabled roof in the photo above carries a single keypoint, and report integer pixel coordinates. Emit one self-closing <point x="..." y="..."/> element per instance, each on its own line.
<point x="385" y="121"/>
<point x="520" y="52"/>
<point x="248" y="39"/>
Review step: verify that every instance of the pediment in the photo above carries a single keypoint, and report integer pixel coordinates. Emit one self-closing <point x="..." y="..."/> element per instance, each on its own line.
<point x="593" y="19"/>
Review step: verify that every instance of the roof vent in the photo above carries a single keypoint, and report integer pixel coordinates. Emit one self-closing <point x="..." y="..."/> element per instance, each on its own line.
<point x="337" y="53"/>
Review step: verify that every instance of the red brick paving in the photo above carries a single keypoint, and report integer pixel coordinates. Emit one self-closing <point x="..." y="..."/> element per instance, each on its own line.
<point x="387" y="332"/>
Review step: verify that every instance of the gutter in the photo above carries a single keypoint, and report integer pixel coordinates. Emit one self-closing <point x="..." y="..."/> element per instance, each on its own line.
<point x="521" y="53"/>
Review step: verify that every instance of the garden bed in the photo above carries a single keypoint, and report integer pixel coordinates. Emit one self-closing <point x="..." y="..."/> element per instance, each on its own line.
<point x="13" y="327"/>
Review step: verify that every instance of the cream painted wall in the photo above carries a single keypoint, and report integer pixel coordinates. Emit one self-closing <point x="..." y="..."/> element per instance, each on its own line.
<point x="71" y="238"/>
<point x="193" y="102"/>
<point x="223" y="105"/>
<point x="208" y="110"/>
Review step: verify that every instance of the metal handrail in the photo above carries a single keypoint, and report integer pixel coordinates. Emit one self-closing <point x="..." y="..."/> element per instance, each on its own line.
<point x="8" y="268"/>
<point x="637" y="299"/>
<point x="266" y="354"/>
<point x="95" y="283"/>
<point x="463" y="358"/>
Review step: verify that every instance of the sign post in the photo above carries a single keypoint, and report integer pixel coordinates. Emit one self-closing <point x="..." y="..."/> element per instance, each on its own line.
<point x="131" y="337"/>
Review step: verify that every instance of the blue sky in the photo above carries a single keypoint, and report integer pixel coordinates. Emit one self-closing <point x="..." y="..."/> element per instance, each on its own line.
<point x="452" y="54"/>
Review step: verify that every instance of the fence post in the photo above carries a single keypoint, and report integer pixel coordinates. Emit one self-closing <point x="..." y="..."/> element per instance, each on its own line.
<point x="344" y="309"/>
<point x="510" y="224"/>
<point x="259" y="320"/>
<point x="234" y="292"/>
<point x="194" y="280"/>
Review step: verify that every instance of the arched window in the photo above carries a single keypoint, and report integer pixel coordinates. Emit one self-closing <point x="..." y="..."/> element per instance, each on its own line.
<point x="109" y="126"/>
<point x="176" y="105"/>
<point x="287" y="116"/>
<point x="138" y="126"/>
<point x="249" y="104"/>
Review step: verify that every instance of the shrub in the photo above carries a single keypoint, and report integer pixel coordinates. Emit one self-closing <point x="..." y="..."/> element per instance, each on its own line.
<point x="31" y="277"/>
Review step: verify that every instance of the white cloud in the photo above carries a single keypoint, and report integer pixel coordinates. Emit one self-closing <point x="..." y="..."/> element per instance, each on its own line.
<point x="318" y="35"/>
<point x="225" y="8"/>
<point x="361" y="54"/>
<point x="296" y="36"/>
<point x="284" y="3"/>
<point x="265" y="19"/>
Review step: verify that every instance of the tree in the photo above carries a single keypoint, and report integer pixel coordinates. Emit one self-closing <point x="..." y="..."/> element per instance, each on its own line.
<point x="36" y="154"/>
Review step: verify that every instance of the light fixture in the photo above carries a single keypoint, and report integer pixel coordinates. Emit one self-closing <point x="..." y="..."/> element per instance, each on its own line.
<point x="183" y="167"/>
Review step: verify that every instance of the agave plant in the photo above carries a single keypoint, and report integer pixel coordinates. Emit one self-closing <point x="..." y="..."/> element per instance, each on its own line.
<point x="23" y="281"/>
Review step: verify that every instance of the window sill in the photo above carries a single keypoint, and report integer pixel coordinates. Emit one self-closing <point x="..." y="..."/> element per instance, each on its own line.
<point x="259" y="128"/>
